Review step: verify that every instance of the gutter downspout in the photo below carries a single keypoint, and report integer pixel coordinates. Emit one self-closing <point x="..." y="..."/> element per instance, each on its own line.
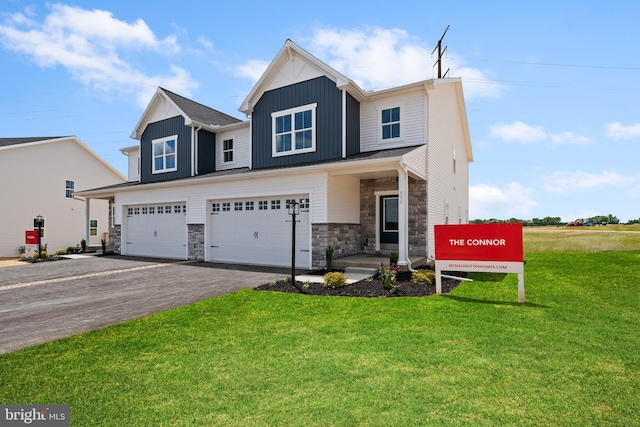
<point x="403" y="183"/>
<point x="196" y="148"/>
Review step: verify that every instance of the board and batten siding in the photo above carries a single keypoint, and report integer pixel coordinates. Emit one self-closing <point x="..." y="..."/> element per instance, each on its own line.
<point x="206" y="151"/>
<point x="241" y="146"/>
<point x="446" y="131"/>
<point x="161" y="129"/>
<point x="328" y="98"/>
<point x="197" y="196"/>
<point x="353" y="126"/>
<point x="413" y="118"/>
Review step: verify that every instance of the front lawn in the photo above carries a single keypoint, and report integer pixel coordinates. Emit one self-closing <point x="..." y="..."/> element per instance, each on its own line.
<point x="569" y="356"/>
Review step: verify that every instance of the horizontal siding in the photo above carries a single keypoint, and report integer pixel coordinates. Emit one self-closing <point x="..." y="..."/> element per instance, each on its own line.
<point x="445" y="131"/>
<point x="417" y="162"/>
<point x="196" y="195"/>
<point x="27" y="195"/>
<point x="343" y="206"/>
<point x="412" y="116"/>
<point x="241" y="148"/>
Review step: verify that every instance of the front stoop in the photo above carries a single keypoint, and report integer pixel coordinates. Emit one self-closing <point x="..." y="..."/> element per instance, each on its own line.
<point x="354" y="274"/>
<point x="372" y="261"/>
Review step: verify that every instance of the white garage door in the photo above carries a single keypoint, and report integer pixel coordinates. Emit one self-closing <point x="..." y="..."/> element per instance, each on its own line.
<point x="158" y="230"/>
<point x="258" y="231"/>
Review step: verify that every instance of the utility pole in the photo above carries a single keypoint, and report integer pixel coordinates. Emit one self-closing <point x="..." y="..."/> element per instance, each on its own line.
<point x="440" y="53"/>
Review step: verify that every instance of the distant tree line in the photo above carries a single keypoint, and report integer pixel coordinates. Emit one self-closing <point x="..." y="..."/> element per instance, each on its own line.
<point x="555" y="220"/>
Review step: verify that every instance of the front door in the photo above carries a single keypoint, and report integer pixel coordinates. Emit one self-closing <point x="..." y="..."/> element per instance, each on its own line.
<point x="389" y="221"/>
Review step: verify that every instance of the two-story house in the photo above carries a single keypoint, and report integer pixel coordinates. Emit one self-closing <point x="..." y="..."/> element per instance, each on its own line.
<point x="373" y="171"/>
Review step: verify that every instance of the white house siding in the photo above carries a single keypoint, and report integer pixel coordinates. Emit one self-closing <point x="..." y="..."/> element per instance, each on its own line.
<point x="445" y="131"/>
<point x="34" y="178"/>
<point x="241" y="143"/>
<point x="412" y="120"/>
<point x="416" y="162"/>
<point x="295" y="70"/>
<point x="343" y="207"/>
<point x="133" y="164"/>
<point x="197" y="195"/>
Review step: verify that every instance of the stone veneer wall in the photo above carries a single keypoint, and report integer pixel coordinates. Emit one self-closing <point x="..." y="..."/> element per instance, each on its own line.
<point x="345" y="239"/>
<point x="195" y="241"/>
<point x="417" y="213"/>
<point x="115" y="240"/>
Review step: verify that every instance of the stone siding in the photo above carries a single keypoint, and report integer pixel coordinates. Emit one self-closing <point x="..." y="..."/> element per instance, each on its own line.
<point x="195" y="242"/>
<point x="345" y="239"/>
<point x="115" y="239"/>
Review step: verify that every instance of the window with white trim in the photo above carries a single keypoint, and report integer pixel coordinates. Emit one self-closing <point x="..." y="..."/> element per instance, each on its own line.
<point x="215" y="207"/>
<point x="152" y="210"/>
<point x="294" y="130"/>
<point x="93" y="227"/>
<point x="226" y="207"/>
<point x="390" y="120"/>
<point x="263" y="205"/>
<point x="69" y="188"/>
<point x="275" y="204"/>
<point x="227" y="151"/>
<point x="237" y="206"/>
<point x="248" y="206"/>
<point x="165" y="152"/>
<point x="304" y="203"/>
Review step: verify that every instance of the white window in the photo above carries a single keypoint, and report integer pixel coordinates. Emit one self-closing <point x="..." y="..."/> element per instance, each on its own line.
<point x="226" y="207"/>
<point x="69" y="189"/>
<point x="215" y="207"/>
<point x="167" y="209"/>
<point x="145" y="211"/>
<point x="136" y="211"/>
<point x="129" y="211"/>
<point x="165" y="152"/>
<point x="263" y="205"/>
<point x="390" y="120"/>
<point x="227" y="151"/>
<point x="152" y="210"/>
<point x="93" y="227"/>
<point x="237" y="206"/>
<point x="248" y="206"/>
<point x="288" y="203"/>
<point x="275" y="204"/>
<point x="160" y="209"/>
<point x="294" y="130"/>
<point x="304" y="203"/>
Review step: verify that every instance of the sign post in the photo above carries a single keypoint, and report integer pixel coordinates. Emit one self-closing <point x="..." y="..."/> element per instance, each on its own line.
<point x="493" y="248"/>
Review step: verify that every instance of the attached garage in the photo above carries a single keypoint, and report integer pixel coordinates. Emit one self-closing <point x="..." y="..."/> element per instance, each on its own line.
<point x="157" y="230"/>
<point x="258" y="231"/>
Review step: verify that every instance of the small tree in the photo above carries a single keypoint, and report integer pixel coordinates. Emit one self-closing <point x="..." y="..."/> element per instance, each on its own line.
<point x="328" y="255"/>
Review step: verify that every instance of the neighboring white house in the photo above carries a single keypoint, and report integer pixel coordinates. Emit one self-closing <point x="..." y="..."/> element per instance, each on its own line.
<point x="372" y="171"/>
<point x="41" y="176"/>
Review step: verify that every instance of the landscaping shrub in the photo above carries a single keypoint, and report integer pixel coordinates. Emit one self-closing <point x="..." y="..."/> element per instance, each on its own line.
<point x="328" y="255"/>
<point x="393" y="258"/>
<point x="388" y="276"/>
<point x="61" y="251"/>
<point x="334" y="280"/>
<point x="43" y="255"/>
<point x="423" y="277"/>
<point x="71" y="250"/>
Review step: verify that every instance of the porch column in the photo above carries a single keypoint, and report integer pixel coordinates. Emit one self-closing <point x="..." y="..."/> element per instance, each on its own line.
<point x="87" y="209"/>
<point x="403" y="216"/>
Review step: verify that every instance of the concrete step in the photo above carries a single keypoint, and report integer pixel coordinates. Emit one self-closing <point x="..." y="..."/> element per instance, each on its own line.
<point x="360" y="271"/>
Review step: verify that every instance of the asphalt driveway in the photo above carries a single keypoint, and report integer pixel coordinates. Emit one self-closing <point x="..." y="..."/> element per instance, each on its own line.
<point x="47" y="301"/>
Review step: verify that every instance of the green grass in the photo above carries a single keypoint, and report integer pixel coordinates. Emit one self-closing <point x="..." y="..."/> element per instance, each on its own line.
<point x="582" y="239"/>
<point x="569" y="356"/>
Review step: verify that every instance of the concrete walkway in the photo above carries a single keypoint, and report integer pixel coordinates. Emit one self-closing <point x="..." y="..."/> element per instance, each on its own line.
<point x="46" y="301"/>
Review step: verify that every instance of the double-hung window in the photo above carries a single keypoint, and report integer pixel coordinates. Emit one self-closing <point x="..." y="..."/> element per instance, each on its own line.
<point x="165" y="152"/>
<point x="93" y="227"/>
<point x="391" y="123"/>
<point x="69" y="188"/>
<point x="227" y="151"/>
<point x="294" y="130"/>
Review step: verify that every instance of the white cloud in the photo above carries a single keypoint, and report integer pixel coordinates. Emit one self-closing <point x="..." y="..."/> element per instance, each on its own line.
<point x="619" y="131"/>
<point x="512" y="201"/>
<point x="518" y="132"/>
<point x="90" y="44"/>
<point x="570" y="138"/>
<point x="525" y="134"/>
<point x="380" y="58"/>
<point x="252" y="69"/>
<point x="206" y="43"/>
<point x="562" y="182"/>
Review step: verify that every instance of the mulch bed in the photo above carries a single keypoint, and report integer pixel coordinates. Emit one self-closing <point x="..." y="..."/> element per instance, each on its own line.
<point x="372" y="289"/>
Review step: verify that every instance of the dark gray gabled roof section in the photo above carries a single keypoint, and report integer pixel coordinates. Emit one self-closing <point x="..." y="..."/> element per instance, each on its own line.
<point x="200" y="113"/>
<point x="5" y="142"/>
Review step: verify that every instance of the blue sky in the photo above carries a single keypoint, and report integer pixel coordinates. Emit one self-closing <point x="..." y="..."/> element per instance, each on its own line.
<point x="551" y="87"/>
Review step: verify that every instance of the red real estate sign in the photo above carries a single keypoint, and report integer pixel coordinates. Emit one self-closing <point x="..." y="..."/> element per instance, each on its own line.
<point x="31" y="237"/>
<point x="479" y="242"/>
<point x="495" y="248"/>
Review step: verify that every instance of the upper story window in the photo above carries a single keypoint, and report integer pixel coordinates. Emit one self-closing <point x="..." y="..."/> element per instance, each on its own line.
<point x="391" y="123"/>
<point x="294" y="130"/>
<point x="69" y="188"/>
<point x="165" y="151"/>
<point x="227" y="151"/>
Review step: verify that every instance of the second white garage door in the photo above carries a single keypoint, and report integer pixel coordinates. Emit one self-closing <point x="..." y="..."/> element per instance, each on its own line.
<point x="258" y="231"/>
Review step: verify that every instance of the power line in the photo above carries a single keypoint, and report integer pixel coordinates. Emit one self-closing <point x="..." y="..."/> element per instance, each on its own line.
<point x="552" y="64"/>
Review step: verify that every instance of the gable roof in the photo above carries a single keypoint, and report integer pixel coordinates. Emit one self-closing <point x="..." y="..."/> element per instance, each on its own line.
<point x="285" y="55"/>
<point x="194" y="113"/>
<point x="15" y="143"/>
<point x="5" y="142"/>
